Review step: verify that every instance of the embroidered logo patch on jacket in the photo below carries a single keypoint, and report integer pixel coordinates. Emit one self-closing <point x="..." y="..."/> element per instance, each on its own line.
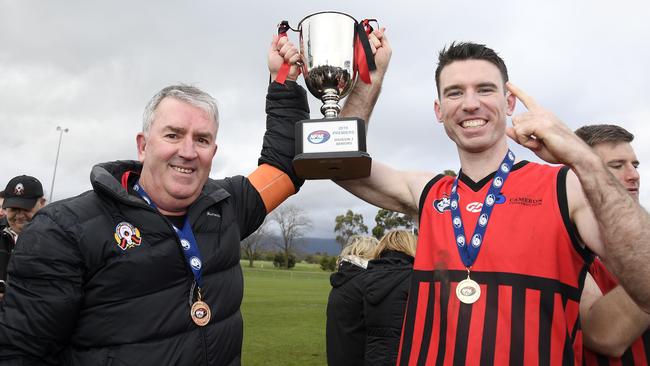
<point x="127" y="236"/>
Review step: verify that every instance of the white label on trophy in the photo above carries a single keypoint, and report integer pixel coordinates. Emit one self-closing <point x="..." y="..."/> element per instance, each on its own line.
<point x="330" y="136"/>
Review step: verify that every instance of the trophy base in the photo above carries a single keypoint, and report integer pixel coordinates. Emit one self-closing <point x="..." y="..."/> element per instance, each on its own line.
<point x="333" y="165"/>
<point x="331" y="148"/>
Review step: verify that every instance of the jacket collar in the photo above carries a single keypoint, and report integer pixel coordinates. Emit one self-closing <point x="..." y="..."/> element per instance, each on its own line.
<point x="106" y="180"/>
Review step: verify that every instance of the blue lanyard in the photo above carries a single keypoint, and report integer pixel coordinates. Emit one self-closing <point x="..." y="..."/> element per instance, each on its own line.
<point x="469" y="251"/>
<point x="186" y="238"/>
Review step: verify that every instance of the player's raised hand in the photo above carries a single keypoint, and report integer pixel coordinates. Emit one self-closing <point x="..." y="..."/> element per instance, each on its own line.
<point x="381" y="50"/>
<point x="542" y="132"/>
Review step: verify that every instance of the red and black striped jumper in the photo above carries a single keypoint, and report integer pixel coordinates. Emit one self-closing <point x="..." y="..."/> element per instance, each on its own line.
<point x="530" y="268"/>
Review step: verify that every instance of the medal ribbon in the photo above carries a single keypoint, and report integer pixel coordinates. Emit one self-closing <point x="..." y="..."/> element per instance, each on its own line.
<point x="185" y="237"/>
<point x="469" y="251"/>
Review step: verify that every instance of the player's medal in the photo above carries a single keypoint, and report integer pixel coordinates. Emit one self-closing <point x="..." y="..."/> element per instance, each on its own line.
<point x="200" y="312"/>
<point x="468" y="291"/>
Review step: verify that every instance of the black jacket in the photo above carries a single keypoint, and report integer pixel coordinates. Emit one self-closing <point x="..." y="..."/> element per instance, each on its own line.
<point x="6" y="247"/>
<point x="345" y="330"/>
<point x="388" y="280"/>
<point x="76" y="298"/>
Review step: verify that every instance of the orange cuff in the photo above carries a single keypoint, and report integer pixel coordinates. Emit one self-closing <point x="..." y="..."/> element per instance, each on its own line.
<point x="273" y="185"/>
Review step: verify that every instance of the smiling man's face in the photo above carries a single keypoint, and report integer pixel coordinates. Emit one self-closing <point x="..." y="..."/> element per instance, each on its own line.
<point x="177" y="154"/>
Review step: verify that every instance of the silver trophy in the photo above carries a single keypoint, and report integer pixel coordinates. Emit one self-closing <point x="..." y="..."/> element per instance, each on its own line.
<point x="332" y="147"/>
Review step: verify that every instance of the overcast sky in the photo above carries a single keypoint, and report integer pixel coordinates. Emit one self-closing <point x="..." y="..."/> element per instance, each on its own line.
<point x="91" y="67"/>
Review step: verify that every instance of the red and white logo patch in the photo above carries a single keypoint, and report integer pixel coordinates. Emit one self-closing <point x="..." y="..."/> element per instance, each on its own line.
<point x="474" y="207"/>
<point x="127" y="236"/>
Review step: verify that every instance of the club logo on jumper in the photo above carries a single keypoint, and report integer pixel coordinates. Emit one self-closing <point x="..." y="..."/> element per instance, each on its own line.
<point x="442" y="204"/>
<point x="127" y="236"/>
<point x="474" y="207"/>
<point x="489" y="200"/>
<point x="19" y="190"/>
<point x="525" y="201"/>
<point x="318" y="137"/>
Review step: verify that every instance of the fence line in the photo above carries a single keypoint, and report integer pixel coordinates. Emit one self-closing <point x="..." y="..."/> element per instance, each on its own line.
<point x="279" y="273"/>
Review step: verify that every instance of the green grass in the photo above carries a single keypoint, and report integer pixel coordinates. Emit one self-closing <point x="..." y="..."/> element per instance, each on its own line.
<point x="284" y="315"/>
<point x="300" y="267"/>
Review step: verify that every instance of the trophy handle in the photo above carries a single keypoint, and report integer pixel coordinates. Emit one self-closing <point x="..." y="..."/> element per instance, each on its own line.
<point x="283" y="28"/>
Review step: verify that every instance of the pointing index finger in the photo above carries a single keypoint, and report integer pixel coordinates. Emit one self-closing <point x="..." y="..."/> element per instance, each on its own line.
<point x="528" y="101"/>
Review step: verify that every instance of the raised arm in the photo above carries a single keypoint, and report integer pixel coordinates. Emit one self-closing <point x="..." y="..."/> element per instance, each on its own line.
<point x="286" y="104"/>
<point x="608" y="220"/>
<point x="385" y="187"/>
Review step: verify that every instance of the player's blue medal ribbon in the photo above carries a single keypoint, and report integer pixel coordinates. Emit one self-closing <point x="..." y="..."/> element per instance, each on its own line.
<point x="199" y="311"/>
<point x="468" y="291"/>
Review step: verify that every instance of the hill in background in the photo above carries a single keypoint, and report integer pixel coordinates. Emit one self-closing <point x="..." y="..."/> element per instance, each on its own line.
<point x="320" y="245"/>
<point x="311" y="245"/>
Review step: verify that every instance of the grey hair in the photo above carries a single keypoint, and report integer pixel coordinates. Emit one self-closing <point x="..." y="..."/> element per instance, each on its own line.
<point x="184" y="93"/>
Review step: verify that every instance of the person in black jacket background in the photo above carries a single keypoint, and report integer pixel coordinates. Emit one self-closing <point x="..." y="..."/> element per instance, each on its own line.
<point x="387" y="285"/>
<point x="345" y="329"/>
<point x="144" y="269"/>
<point x="21" y="199"/>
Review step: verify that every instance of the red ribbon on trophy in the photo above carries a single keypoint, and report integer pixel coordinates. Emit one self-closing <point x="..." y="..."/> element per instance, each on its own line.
<point x="363" y="53"/>
<point x="283" y="27"/>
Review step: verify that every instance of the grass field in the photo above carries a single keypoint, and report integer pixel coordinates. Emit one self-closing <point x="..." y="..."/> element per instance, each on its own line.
<point x="284" y="314"/>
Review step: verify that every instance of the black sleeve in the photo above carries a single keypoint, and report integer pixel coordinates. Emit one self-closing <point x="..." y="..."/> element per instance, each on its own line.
<point x="5" y="252"/>
<point x="247" y="205"/>
<point x="285" y="105"/>
<point x="43" y="296"/>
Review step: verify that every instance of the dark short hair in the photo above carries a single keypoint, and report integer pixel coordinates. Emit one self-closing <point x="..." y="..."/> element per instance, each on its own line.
<point x="599" y="134"/>
<point x="469" y="51"/>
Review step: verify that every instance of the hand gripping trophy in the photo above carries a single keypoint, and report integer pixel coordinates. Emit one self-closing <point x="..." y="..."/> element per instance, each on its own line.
<point x="334" y="49"/>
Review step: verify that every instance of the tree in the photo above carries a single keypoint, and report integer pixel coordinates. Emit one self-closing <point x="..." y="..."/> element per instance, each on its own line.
<point x="280" y="261"/>
<point x="256" y="242"/>
<point x="387" y="220"/>
<point x="328" y="263"/>
<point x="449" y="172"/>
<point x="293" y="223"/>
<point x="348" y="225"/>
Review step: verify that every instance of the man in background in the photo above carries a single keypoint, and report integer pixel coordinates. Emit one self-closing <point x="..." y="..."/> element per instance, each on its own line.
<point x="3" y="220"/>
<point x="612" y="323"/>
<point x="22" y="197"/>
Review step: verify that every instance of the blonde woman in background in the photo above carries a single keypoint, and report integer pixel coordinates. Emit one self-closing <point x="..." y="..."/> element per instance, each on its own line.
<point x="345" y="330"/>
<point x="387" y="285"/>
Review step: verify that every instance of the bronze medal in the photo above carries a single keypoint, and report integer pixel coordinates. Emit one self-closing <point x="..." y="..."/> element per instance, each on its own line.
<point x="200" y="313"/>
<point x="468" y="291"/>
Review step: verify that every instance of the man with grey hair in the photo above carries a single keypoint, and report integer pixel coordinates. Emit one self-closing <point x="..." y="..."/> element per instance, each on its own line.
<point x="615" y="329"/>
<point x="144" y="269"/>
